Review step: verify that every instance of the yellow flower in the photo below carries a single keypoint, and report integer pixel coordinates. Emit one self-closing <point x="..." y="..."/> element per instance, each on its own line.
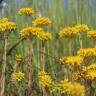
<point x="30" y="31"/>
<point x="74" y="60"/>
<point x="8" y="26"/>
<point x="54" y="87"/>
<point x="92" y="34"/>
<point x="69" y="32"/>
<point x="64" y="85"/>
<point x="91" y="74"/>
<point x="44" y="36"/>
<point x="44" y="79"/>
<point x="18" y="58"/>
<point x="76" y="89"/>
<point x="26" y="11"/>
<point x="90" y="67"/>
<point x="17" y="77"/>
<point x="42" y="21"/>
<point x="87" y="52"/>
<point x="90" y="71"/>
<point x="4" y="20"/>
<point x="72" y="88"/>
<point x="82" y="27"/>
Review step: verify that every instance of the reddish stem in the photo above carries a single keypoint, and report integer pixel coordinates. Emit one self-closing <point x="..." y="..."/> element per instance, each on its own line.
<point x="30" y="67"/>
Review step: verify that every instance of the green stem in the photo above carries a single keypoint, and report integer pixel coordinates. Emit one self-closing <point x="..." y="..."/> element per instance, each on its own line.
<point x="80" y="41"/>
<point x="69" y="47"/>
<point x="42" y="55"/>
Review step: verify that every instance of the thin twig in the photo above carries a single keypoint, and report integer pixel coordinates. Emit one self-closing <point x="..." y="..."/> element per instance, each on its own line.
<point x="14" y="46"/>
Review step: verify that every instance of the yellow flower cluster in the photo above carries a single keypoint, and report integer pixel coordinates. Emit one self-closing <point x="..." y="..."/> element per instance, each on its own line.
<point x="91" y="74"/>
<point x="37" y="32"/>
<point x="44" y="79"/>
<point x="17" y="76"/>
<point x="90" y="71"/>
<point x="30" y="31"/>
<point x="6" y="25"/>
<point x="72" y="88"/>
<point x="69" y="32"/>
<point x="90" y="67"/>
<point x="44" y="36"/>
<point x="64" y="85"/>
<point x="82" y="27"/>
<point x="4" y="20"/>
<point x="26" y="11"/>
<point x="74" y="60"/>
<point x="42" y="21"/>
<point x="18" y="58"/>
<point x="91" y="34"/>
<point x="87" y="52"/>
<point x="54" y="87"/>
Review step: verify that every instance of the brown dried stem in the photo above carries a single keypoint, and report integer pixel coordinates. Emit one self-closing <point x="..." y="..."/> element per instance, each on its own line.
<point x="30" y="68"/>
<point x="4" y="65"/>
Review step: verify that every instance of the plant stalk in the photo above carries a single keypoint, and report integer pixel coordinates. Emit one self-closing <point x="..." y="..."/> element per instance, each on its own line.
<point x="80" y="41"/>
<point x="30" y="69"/>
<point x="4" y="65"/>
<point x="69" y="47"/>
<point x="44" y="90"/>
<point x="42" y="55"/>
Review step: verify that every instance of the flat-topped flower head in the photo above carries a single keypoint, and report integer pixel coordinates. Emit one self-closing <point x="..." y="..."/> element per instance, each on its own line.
<point x="90" y="67"/>
<point x="4" y="20"/>
<point x="71" y="88"/>
<point x="7" y="26"/>
<point x="10" y="26"/>
<point x="30" y="31"/>
<point x="90" y="71"/>
<point x="18" y="57"/>
<point x="26" y="11"/>
<point x="92" y="34"/>
<point x="69" y="32"/>
<point x="76" y="89"/>
<point x="91" y="74"/>
<point x="87" y="52"/>
<point x="74" y="60"/>
<point x="17" y="77"/>
<point x="42" y="21"/>
<point x="44" y="79"/>
<point x="64" y="85"/>
<point x="44" y="36"/>
<point x="82" y="27"/>
<point x="54" y="87"/>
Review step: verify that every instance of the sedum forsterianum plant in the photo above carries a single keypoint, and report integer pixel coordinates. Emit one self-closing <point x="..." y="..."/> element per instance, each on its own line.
<point x="6" y="27"/>
<point x="80" y="67"/>
<point x="26" y="11"/>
